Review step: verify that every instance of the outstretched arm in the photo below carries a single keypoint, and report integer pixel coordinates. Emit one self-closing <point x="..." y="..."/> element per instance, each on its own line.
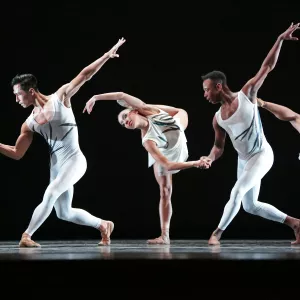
<point x="151" y="147"/>
<point x="125" y="100"/>
<point x="68" y="90"/>
<point x="172" y="111"/>
<point x="218" y="147"/>
<point x="281" y="112"/>
<point x="22" y="144"/>
<point x="252" y="86"/>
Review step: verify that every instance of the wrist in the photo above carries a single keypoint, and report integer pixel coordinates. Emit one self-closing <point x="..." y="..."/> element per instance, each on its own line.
<point x="106" y="55"/>
<point x="280" y="38"/>
<point x="212" y="158"/>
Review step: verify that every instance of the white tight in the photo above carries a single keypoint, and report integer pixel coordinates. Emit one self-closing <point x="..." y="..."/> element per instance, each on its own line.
<point x="59" y="194"/>
<point x="246" y="189"/>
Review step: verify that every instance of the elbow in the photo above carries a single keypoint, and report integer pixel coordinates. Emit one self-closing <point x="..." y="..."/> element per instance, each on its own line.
<point x="120" y="95"/>
<point x="220" y="150"/>
<point x="18" y="156"/>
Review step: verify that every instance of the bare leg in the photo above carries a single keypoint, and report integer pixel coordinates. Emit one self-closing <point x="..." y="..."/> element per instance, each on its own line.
<point x="183" y="116"/>
<point x="165" y="205"/>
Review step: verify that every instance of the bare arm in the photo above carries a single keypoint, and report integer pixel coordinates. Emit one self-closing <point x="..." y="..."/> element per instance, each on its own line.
<point x="281" y="112"/>
<point x="252" y="86"/>
<point x="130" y="101"/>
<point x="22" y="144"/>
<point x="151" y="147"/>
<point x="172" y="111"/>
<point x="68" y="90"/>
<point x="218" y="147"/>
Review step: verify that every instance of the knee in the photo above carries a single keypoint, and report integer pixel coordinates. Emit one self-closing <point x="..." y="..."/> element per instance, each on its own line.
<point x="184" y="118"/>
<point x="236" y="197"/>
<point x="166" y="191"/>
<point x="51" y="194"/>
<point x="250" y="208"/>
<point x="63" y="214"/>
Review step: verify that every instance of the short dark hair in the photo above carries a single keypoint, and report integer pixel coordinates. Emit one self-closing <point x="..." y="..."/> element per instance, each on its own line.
<point x="26" y="81"/>
<point x="216" y="76"/>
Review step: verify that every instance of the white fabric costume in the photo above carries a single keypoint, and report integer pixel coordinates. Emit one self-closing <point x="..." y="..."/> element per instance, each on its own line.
<point x="169" y="137"/>
<point x="67" y="166"/>
<point x="255" y="158"/>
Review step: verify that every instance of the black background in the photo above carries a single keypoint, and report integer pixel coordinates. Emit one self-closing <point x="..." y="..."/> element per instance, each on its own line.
<point x="169" y="46"/>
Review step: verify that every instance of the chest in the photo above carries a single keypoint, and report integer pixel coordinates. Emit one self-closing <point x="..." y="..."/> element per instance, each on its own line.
<point x="45" y="114"/>
<point x="228" y="110"/>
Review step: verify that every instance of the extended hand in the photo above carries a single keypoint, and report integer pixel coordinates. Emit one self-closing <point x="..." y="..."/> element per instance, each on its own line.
<point x="112" y="52"/>
<point x="288" y="34"/>
<point x="203" y="163"/>
<point x="89" y="105"/>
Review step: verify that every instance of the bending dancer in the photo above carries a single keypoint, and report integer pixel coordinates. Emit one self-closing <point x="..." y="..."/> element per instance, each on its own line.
<point x="162" y="128"/>
<point x="53" y="118"/>
<point x="238" y="116"/>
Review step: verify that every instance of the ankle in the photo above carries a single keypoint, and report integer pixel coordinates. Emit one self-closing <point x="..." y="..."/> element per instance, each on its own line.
<point x="103" y="226"/>
<point x="218" y="233"/>
<point x="26" y="236"/>
<point x="291" y="222"/>
<point x="165" y="232"/>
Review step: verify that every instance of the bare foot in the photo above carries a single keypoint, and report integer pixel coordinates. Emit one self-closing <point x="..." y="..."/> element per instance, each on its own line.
<point x="297" y="234"/>
<point x="162" y="240"/>
<point x="213" y="240"/>
<point x="27" y="242"/>
<point x="106" y="230"/>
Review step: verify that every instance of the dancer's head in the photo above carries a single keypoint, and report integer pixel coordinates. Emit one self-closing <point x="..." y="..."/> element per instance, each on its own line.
<point x="25" y="88"/>
<point x="213" y="84"/>
<point x="130" y="118"/>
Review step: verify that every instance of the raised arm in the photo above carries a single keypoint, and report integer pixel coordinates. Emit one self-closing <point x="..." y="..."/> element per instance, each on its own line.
<point x="124" y="100"/>
<point x="252" y="86"/>
<point x="22" y="144"/>
<point x="151" y="147"/>
<point x="68" y="90"/>
<point x="218" y="147"/>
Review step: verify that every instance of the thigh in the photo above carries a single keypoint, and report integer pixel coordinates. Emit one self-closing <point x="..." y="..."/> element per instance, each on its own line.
<point x="162" y="177"/>
<point x="254" y="170"/>
<point x="69" y="174"/>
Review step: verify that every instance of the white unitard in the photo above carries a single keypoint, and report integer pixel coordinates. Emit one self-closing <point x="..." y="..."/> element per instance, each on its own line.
<point x="169" y="137"/>
<point x="67" y="166"/>
<point x="255" y="158"/>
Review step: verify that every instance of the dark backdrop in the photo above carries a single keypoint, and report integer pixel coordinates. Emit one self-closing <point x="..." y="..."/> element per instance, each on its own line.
<point x="169" y="46"/>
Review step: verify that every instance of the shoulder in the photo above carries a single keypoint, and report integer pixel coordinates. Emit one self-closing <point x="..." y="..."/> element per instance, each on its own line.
<point x="149" y="145"/>
<point x="61" y="92"/>
<point x="149" y="110"/>
<point x="25" y="128"/>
